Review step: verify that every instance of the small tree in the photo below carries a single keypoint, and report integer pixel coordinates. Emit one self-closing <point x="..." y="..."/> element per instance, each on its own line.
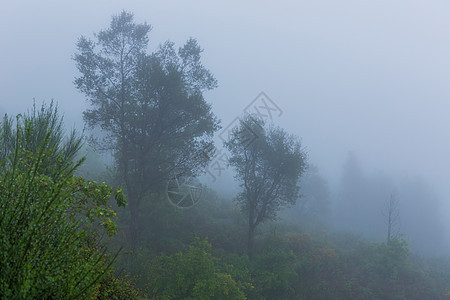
<point x="268" y="168"/>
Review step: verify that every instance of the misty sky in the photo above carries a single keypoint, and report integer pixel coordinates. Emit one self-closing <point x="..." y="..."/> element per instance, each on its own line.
<point x="371" y="77"/>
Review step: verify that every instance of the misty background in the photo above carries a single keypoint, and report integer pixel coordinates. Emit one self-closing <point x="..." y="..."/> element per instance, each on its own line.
<point x="361" y="82"/>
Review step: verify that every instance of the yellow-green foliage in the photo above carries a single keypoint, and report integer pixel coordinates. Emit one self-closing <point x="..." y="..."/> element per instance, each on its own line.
<point x="191" y="275"/>
<point x="116" y="288"/>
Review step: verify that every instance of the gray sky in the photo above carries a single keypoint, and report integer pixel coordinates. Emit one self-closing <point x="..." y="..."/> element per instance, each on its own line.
<point x="370" y="77"/>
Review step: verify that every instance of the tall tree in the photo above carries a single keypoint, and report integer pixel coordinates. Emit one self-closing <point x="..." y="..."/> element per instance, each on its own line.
<point x="150" y="106"/>
<point x="268" y="168"/>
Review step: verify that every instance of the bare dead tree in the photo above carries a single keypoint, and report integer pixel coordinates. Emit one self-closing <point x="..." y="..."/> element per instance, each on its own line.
<point x="391" y="213"/>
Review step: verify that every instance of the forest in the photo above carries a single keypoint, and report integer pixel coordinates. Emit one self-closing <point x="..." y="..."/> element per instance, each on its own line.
<point x="121" y="209"/>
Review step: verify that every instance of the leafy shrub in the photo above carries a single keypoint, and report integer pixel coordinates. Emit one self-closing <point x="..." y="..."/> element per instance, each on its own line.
<point x="191" y="275"/>
<point x="116" y="288"/>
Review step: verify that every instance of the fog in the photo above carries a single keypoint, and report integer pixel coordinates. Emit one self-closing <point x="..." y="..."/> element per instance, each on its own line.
<point x="362" y="77"/>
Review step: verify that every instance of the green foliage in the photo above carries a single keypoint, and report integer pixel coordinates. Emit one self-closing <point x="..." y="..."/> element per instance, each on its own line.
<point x="239" y="268"/>
<point x="44" y="215"/>
<point x="274" y="274"/>
<point x="191" y="275"/>
<point x="90" y="200"/>
<point x="172" y="231"/>
<point x="42" y="254"/>
<point x="116" y="288"/>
